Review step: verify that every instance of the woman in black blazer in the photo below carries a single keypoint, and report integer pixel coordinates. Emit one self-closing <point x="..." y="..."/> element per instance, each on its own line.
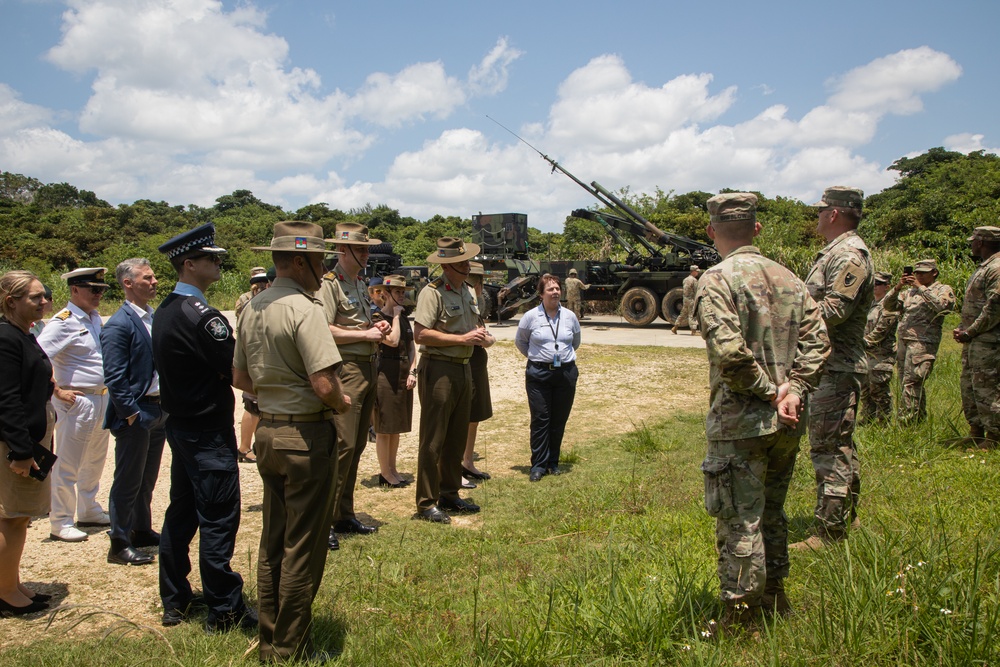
<point x="26" y="419"/>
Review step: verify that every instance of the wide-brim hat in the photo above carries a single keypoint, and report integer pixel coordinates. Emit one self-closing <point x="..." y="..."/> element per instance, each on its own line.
<point x="394" y="280"/>
<point x="86" y="277"/>
<point x="352" y="233"/>
<point x="476" y="269"/>
<point x="451" y="250"/>
<point x="297" y="236"/>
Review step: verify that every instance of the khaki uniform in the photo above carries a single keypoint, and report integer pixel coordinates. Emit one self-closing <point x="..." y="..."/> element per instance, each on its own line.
<point x="922" y="313"/>
<point x="444" y="387"/>
<point x="842" y="283"/>
<point x="346" y="304"/>
<point x="687" y="310"/>
<point x="283" y="338"/>
<point x="242" y="302"/>
<point x="880" y="342"/>
<point x="761" y="329"/>
<point x="981" y="355"/>
<point x="574" y="301"/>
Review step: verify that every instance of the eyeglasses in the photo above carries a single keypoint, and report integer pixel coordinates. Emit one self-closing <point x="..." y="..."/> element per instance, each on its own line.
<point x="97" y="290"/>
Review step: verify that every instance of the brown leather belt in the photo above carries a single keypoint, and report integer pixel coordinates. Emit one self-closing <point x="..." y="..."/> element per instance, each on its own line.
<point x="450" y="360"/>
<point x="358" y="357"/>
<point x="90" y="391"/>
<point x="289" y="419"/>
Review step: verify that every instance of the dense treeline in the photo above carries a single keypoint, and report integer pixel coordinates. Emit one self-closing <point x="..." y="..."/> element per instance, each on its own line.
<point x="940" y="196"/>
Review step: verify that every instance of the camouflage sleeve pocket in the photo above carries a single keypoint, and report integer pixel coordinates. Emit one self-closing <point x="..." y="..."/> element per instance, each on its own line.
<point x="718" y="487"/>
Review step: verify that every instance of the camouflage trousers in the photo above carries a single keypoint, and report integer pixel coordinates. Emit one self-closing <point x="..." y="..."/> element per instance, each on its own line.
<point x="746" y="482"/>
<point x="685" y="319"/>
<point x="576" y="305"/>
<point x="981" y="384"/>
<point x="831" y="446"/>
<point x="876" y="393"/>
<point x="914" y="360"/>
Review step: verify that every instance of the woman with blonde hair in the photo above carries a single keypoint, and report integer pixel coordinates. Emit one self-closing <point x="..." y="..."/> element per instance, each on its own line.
<point x="26" y="420"/>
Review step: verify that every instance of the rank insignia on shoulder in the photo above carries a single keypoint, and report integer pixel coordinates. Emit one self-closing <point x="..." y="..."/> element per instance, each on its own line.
<point x="217" y="329"/>
<point x="329" y="275"/>
<point x="63" y="314"/>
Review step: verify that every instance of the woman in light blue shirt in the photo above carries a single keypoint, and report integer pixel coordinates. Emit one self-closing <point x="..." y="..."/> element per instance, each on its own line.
<point x="548" y="336"/>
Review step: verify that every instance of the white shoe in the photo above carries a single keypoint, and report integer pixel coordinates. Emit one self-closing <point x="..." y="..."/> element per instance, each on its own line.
<point x="69" y="534"/>
<point x="468" y="483"/>
<point x="99" y="521"/>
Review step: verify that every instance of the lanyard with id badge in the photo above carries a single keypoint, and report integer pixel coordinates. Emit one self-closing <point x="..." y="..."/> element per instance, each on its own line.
<point x="556" y="361"/>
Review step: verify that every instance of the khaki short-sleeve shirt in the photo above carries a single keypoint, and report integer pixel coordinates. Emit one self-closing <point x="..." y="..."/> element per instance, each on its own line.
<point x="282" y="338"/>
<point x="450" y="311"/>
<point x="346" y="305"/>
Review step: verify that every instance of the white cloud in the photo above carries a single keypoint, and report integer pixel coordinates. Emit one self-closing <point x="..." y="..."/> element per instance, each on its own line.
<point x="390" y="100"/>
<point x="490" y="76"/>
<point x="16" y="114"/>
<point x="967" y="142"/>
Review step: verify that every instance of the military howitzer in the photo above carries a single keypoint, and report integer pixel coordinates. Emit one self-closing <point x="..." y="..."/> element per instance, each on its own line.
<point x="648" y="283"/>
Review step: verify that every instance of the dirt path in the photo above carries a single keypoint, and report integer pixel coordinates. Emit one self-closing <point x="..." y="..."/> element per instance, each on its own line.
<point x="611" y="377"/>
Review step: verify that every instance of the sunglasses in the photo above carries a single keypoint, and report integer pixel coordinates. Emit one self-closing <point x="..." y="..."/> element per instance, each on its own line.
<point x="97" y="290"/>
<point x="217" y="259"/>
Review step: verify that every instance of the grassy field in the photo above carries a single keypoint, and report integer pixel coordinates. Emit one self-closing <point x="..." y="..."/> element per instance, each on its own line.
<point x="614" y="564"/>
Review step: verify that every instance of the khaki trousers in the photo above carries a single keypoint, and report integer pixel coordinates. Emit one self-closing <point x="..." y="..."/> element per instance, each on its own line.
<point x="358" y="380"/>
<point x="445" y="392"/>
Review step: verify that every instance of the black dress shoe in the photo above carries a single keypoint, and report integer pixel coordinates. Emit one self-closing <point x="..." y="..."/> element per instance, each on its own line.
<point x="333" y="544"/>
<point x="245" y="620"/>
<point x="347" y="526"/>
<point x="535" y="476"/>
<point x="172" y="617"/>
<point x="40" y="597"/>
<point x="461" y="506"/>
<point x="554" y="470"/>
<point x="433" y="514"/>
<point x="145" y="538"/>
<point x="128" y="556"/>
<point x="475" y="475"/>
<point x="7" y="609"/>
<point x="382" y="481"/>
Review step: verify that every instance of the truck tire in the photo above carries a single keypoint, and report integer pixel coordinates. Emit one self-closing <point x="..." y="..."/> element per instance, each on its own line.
<point x="672" y="305"/>
<point x="489" y="301"/>
<point x="639" y="306"/>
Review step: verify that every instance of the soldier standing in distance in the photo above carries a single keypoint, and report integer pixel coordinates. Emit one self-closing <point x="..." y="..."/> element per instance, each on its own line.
<point x="574" y="289"/>
<point x="193" y="351"/>
<point x="286" y="356"/>
<point x="842" y="284"/>
<point x="979" y="334"/>
<point x="880" y="343"/>
<point x="924" y="302"/>
<point x="687" y="310"/>
<point x="766" y="345"/>
<point x="446" y="327"/>
<point x="348" y="309"/>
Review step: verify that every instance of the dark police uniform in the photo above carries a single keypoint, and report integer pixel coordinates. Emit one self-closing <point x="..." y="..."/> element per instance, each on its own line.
<point x="193" y="350"/>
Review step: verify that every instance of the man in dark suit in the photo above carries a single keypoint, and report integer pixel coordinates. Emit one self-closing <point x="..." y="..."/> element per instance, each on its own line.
<point x="134" y="416"/>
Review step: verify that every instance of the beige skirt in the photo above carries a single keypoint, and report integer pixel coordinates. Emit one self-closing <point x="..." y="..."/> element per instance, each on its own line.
<point x="25" y="496"/>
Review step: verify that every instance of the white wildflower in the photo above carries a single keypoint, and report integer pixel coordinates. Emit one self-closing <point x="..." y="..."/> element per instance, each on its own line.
<point x="946" y="612"/>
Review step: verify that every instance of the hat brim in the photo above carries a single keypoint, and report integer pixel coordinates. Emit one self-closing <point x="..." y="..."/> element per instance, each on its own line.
<point x="471" y="250"/>
<point x="819" y="204"/>
<point x="346" y="242"/>
<point x="315" y="251"/>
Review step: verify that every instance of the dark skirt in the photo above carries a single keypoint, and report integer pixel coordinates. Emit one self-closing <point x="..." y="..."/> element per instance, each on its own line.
<point x="393" y="401"/>
<point x="482" y="402"/>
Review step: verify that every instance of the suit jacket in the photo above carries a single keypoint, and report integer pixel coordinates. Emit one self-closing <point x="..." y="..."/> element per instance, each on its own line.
<point x="128" y="365"/>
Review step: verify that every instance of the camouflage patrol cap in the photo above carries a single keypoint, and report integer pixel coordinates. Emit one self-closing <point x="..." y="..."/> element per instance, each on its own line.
<point x="987" y="233"/>
<point x="925" y="265"/>
<point x="841" y="196"/>
<point x="883" y="277"/>
<point x="733" y="207"/>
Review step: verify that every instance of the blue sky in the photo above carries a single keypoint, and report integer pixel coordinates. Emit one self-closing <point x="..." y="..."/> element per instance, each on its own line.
<point x="386" y="102"/>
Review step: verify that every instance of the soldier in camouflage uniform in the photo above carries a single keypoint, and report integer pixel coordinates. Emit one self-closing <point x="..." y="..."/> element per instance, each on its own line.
<point x="574" y="288"/>
<point x="766" y="345"/>
<point x="880" y="343"/>
<point x="923" y="302"/>
<point x="690" y="292"/>
<point x="842" y="283"/>
<point x="979" y="334"/>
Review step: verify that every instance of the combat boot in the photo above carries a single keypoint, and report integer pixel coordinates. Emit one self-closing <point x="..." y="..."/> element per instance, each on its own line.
<point x="739" y="616"/>
<point x="774" y="600"/>
<point x="974" y="439"/>
<point x="818" y="541"/>
<point x="673" y="329"/>
<point x="990" y="441"/>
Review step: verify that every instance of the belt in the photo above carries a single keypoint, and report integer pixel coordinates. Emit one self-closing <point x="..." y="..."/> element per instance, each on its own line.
<point x="289" y="419"/>
<point x="150" y="399"/>
<point x="90" y="391"/>
<point x="552" y="367"/>
<point x="358" y="357"/>
<point x="450" y="360"/>
<point x="400" y="357"/>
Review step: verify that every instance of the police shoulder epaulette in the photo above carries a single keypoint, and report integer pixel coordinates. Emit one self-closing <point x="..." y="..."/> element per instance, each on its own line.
<point x="194" y="309"/>
<point x="63" y="314"/>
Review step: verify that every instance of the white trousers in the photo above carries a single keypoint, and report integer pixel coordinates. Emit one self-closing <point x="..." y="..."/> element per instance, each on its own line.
<point x="82" y="446"/>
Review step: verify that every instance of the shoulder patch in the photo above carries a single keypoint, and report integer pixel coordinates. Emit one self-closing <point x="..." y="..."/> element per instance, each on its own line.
<point x="849" y="280"/>
<point x="436" y="283"/>
<point x="217" y="329"/>
<point x="63" y="314"/>
<point x="329" y="275"/>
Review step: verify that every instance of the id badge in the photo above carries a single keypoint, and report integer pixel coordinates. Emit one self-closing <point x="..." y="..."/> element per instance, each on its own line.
<point x="556" y="362"/>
